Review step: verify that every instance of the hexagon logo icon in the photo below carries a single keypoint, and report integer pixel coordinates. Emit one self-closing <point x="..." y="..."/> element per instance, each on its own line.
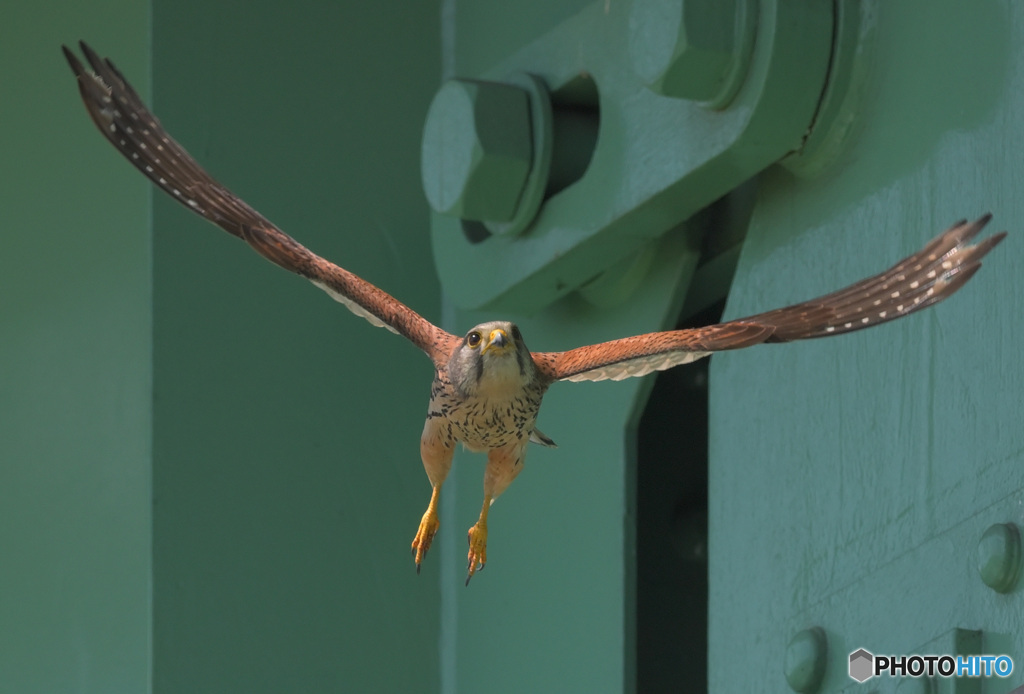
<point x="861" y="665"/>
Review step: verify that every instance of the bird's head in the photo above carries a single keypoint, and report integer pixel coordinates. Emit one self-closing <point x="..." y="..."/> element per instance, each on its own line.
<point x="491" y="358"/>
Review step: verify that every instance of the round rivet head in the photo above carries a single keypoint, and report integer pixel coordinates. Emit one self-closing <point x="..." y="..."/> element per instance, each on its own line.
<point x="806" y="657"/>
<point x="999" y="557"/>
<point x="477" y="150"/>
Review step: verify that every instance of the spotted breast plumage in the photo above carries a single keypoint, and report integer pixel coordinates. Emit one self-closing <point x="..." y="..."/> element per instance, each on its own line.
<point x="488" y="386"/>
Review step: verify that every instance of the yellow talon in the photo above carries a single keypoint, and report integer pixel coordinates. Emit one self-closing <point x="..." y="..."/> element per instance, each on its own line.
<point x="428" y="528"/>
<point x="477" y="549"/>
<point x="478" y="542"/>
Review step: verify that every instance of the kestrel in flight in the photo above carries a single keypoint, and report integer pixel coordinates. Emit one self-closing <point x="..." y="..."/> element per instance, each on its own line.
<point x="487" y="385"/>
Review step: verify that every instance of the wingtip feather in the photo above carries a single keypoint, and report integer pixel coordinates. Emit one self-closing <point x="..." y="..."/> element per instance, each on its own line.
<point x="91" y="56"/>
<point x="982" y="248"/>
<point x="76" y="65"/>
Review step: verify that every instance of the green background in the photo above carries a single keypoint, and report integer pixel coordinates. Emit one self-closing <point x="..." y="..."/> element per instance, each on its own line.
<point x="209" y="472"/>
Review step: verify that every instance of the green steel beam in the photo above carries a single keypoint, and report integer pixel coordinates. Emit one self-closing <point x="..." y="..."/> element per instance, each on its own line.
<point x="75" y="366"/>
<point x="852" y="480"/>
<point x="654" y="150"/>
<point x="287" y="478"/>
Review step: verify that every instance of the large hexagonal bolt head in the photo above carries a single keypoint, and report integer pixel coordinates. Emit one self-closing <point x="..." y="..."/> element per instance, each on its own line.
<point x="477" y="150"/>
<point x="692" y="49"/>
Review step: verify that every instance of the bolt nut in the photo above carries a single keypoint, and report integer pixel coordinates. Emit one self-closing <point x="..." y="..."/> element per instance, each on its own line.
<point x="806" y="657"/>
<point x="692" y="49"/>
<point x="477" y="150"/>
<point x="999" y="557"/>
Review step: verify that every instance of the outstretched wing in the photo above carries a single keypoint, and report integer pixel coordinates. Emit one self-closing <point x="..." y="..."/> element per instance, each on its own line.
<point x="927" y="277"/>
<point x="136" y="133"/>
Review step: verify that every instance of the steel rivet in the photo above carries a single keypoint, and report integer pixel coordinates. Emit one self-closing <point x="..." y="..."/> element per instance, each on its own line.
<point x="999" y="557"/>
<point x="806" y="657"/>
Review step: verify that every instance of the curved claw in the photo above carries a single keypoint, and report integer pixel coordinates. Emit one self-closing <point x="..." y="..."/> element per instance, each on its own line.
<point x="477" y="538"/>
<point x="424" y="536"/>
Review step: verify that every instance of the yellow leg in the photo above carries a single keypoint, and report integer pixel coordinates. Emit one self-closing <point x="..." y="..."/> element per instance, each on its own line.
<point x="436" y="448"/>
<point x="428" y="528"/>
<point x="478" y="541"/>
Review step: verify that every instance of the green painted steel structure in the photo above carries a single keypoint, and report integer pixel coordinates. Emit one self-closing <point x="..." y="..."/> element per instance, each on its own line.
<point x="75" y="370"/>
<point x="851" y="481"/>
<point x="198" y="493"/>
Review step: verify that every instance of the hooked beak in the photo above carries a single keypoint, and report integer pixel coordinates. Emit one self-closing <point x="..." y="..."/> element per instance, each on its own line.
<point x="498" y="341"/>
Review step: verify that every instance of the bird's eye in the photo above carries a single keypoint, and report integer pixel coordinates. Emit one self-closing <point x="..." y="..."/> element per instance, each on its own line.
<point x="516" y="335"/>
<point x="473" y="339"/>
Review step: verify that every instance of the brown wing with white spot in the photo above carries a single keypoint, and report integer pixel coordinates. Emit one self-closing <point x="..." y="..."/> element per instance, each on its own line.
<point x="935" y="272"/>
<point x="136" y="133"/>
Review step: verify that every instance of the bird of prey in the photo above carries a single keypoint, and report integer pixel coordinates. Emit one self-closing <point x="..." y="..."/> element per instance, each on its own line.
<point x="488" y="386"/>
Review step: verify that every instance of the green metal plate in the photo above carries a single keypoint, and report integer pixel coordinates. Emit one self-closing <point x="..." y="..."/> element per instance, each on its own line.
<point x="656" y="159"/>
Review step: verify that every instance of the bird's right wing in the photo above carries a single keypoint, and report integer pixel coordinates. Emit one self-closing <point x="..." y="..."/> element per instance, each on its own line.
<point x="924" y="278"/>
<point x="125" y="121"/>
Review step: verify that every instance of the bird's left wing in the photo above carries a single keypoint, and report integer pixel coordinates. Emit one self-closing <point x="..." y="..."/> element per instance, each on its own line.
<point x="924" y="278"/>
<point x="125" y="121"/>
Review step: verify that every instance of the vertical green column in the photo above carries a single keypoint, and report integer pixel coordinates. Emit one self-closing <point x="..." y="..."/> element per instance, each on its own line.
<point x="75" y="366"/>
<point x="558" y="590"/>
<point x="553" y="611"/>
<point x="851" y="478"/>
<point x="287" y="479"/>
